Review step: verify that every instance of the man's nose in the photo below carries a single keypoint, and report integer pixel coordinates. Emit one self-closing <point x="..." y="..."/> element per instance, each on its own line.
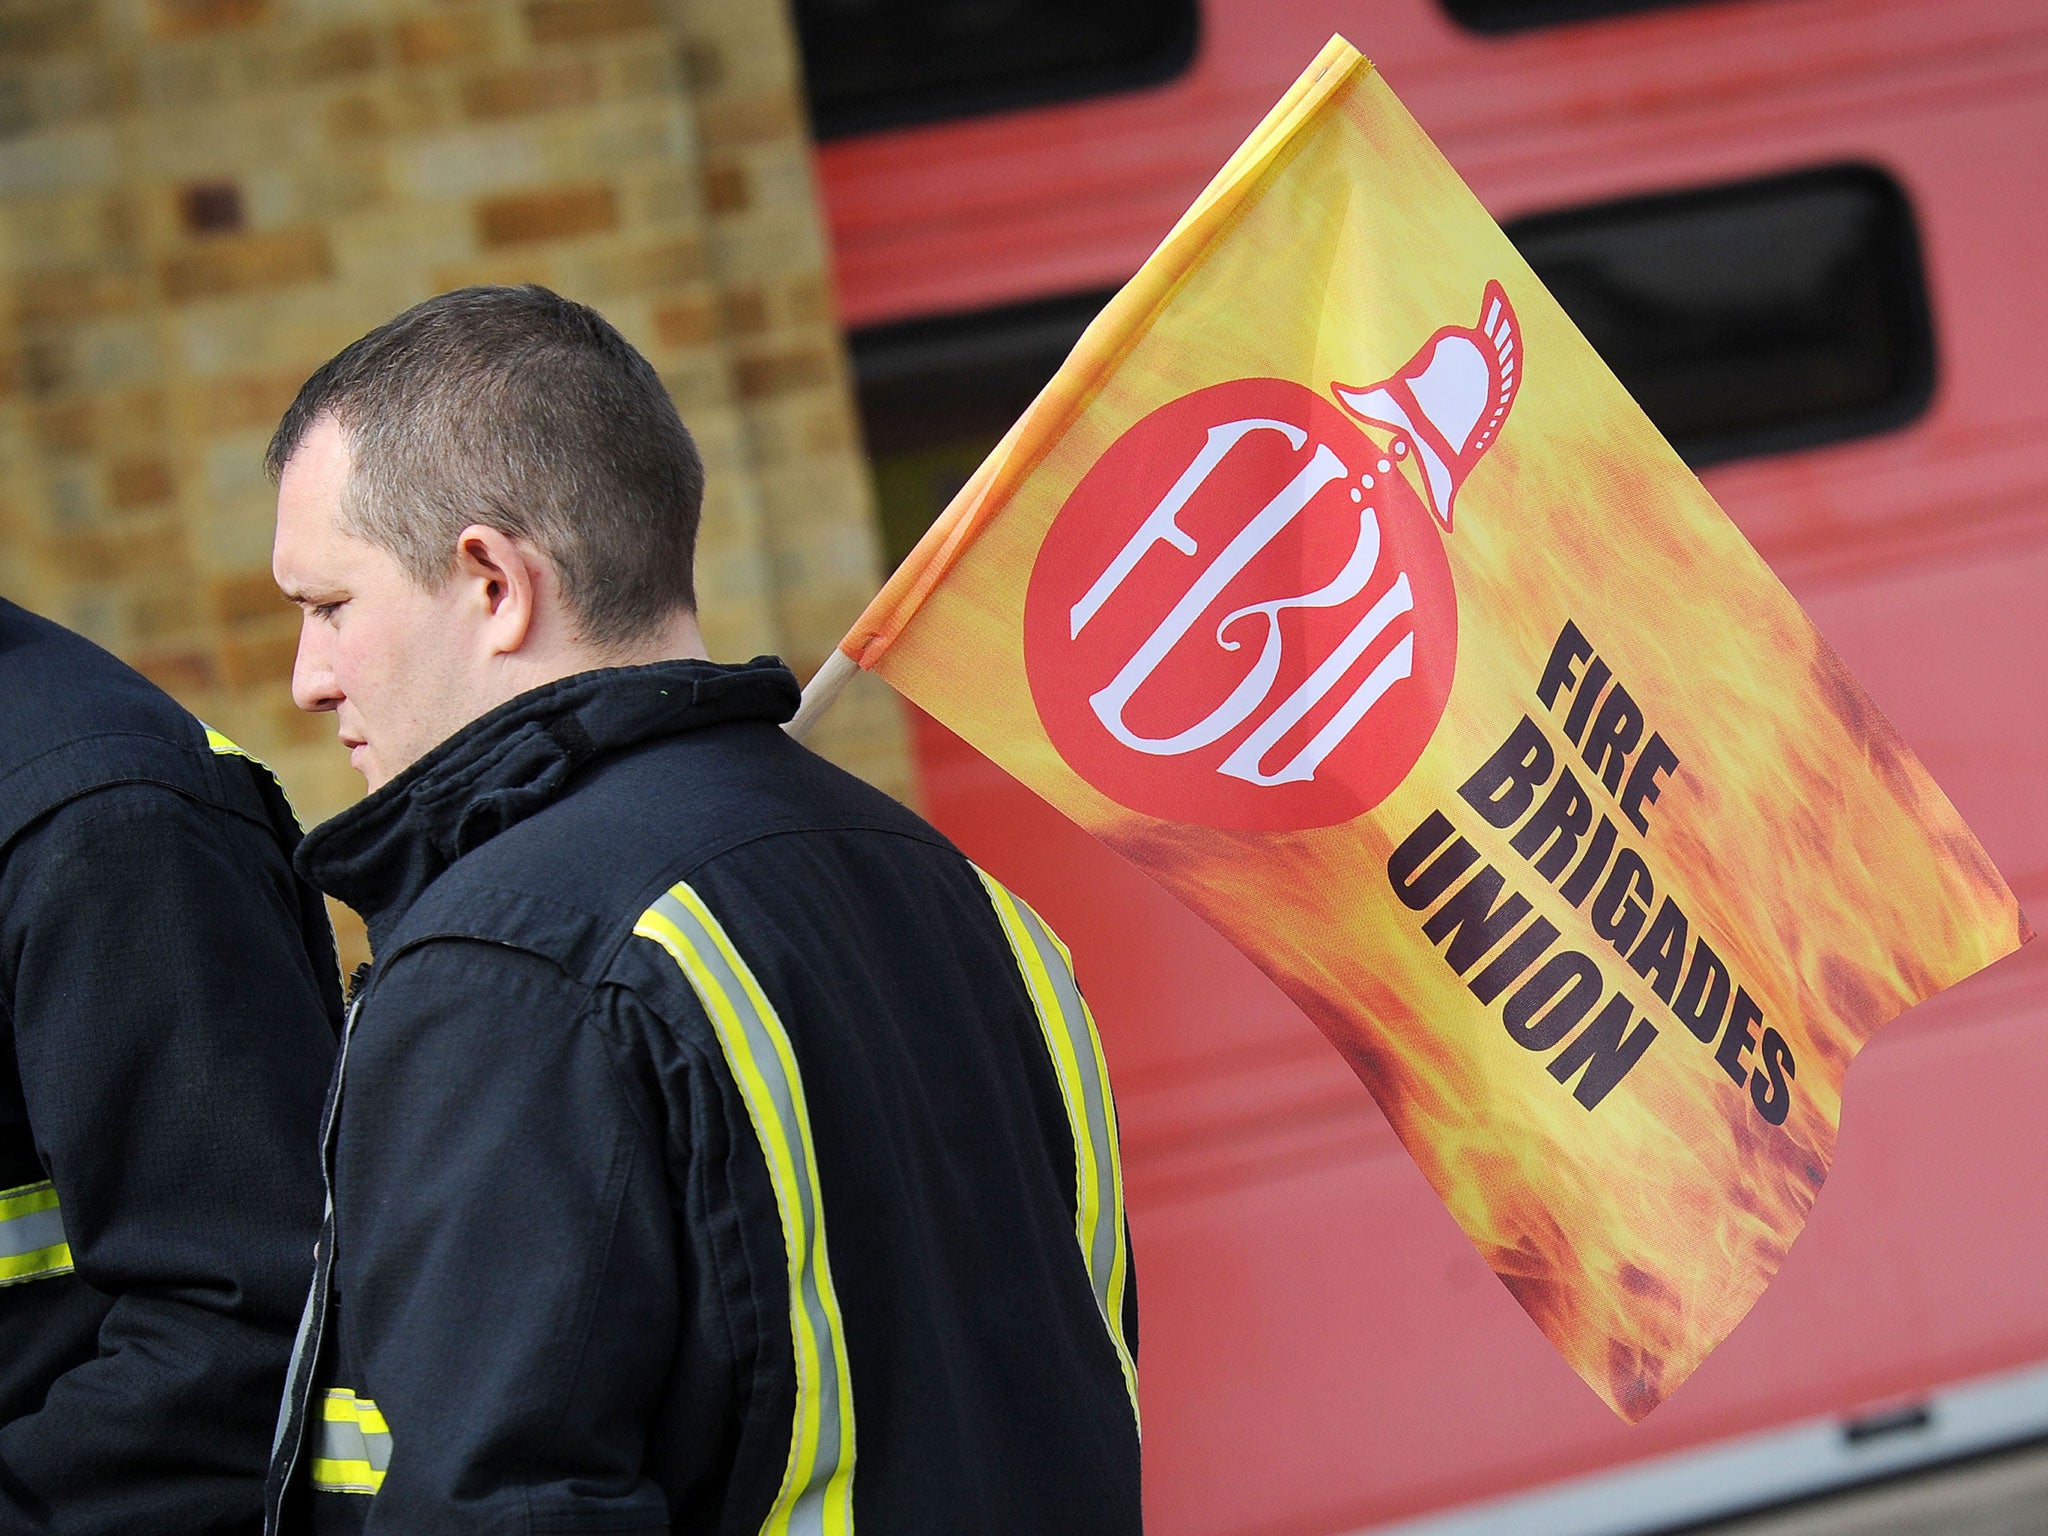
<point x="313" y="685"/>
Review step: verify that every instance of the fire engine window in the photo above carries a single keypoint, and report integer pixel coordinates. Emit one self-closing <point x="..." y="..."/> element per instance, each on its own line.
<point x="1517" y="15"/>
<point x="937" y="394"/>
<point x="884" y="63"/>
<point x="1754" y="317"/>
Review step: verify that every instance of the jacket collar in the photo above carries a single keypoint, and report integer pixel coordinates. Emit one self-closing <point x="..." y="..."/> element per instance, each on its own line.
<point x="381" y="853"/>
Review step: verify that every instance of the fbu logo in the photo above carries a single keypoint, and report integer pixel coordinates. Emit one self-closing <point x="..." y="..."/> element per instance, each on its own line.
<point x="1243" y="616"/>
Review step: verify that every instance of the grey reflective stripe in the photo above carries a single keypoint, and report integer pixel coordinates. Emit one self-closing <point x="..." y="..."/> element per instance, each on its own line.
<point x="1076" y="1051"/>
<point x="31" y="1233"/>
<point x="342" y="1441"/>
<point x="816" y="1495"/>
<point x="32" y="1241"/>
<point x="351" y="1444"/>
<point x="1074" y="1018"/>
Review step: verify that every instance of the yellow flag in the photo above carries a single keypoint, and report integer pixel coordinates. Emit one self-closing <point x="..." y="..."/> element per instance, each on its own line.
<point x="1336" y="582"/>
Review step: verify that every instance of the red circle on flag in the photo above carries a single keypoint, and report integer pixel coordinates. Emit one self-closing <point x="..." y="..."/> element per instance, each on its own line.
<point x="1243" y="616"/>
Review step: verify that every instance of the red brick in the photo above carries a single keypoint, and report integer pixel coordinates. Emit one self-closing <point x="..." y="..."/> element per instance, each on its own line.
<point x="726" y="189"/>
<point x="687" y="322"/>
<point x="559" y="213"/>
<point x="577" y="21"/>
<point x="143" y="481"/>
<point x="193" y="18"/>
<point x="775" y="372"/>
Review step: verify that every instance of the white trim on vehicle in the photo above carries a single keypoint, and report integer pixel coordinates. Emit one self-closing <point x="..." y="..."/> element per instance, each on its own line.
<point x="1755" y="1471"/>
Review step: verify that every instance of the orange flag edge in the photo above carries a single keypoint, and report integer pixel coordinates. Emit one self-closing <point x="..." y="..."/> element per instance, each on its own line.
<point x="1102" y="346"/>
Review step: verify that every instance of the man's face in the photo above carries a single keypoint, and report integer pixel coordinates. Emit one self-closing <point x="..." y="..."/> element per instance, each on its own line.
<point x="391" y="662"/>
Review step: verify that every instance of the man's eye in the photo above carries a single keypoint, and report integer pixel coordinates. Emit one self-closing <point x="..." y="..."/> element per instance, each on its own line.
<point x="324" y="610"/>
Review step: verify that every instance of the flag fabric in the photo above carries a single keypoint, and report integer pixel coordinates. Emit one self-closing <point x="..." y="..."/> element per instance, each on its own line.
<point x="1337" y="583"/>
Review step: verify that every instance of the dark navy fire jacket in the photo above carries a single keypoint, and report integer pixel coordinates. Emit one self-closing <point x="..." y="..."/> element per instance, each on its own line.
<point x="168" y="1009"/>
<point x="715" y="1149"/>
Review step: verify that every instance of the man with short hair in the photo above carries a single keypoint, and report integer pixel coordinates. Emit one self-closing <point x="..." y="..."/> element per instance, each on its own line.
<point x="715" y="1149"/>
<point x="168" y="1008"/>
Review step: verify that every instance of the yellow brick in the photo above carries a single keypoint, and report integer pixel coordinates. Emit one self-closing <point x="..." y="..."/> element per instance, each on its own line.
<point x="746" y="311"/>
<point x="760" y="119"/>
<point x="646" y="71"/>
<point x="505" y="272"/>
<point x="559" y="213"/>
<point x="68" y="428"/>
<point x="334" y="54"/>
<point x="249" y="596"/>
<point x="576" y="21"/>
<point x="660" y="266"/>
<point x="33" y="28"/>
<point x="261" y="660"/>
<point x="251" y="400"/>
<point x="57" y="297"/>
<point x="243" y="263"/>
<point x="809" y="300"/>
<point x="497" y="93"/>
<point x="703" y="63"/>
<point x="179" y="670"/>
<point x="427" y="40"/>
<point x="358" y="115"/>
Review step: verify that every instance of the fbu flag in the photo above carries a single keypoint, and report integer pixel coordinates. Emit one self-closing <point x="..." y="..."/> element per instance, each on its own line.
<point x="1336" y="582"/>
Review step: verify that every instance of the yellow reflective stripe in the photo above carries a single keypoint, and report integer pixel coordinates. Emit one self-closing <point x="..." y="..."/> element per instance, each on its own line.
<point x="1075" y="1046"/>
<point x="351" y="1445"/>
<point x="816" y="1495"/>
<point x="223" y="746"/>
<point x="32" y="1241"/>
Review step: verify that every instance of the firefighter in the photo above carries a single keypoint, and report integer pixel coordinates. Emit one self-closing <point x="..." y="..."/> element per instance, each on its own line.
<point x="168" y="1010"/>
<point x="717" y="1150"/>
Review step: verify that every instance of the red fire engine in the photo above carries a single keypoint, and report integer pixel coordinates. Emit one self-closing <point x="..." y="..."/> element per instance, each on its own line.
<point x="1809" y="235"/>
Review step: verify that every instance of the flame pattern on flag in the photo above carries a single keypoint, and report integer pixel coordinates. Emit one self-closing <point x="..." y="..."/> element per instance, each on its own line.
<point x="1836" y="879"/>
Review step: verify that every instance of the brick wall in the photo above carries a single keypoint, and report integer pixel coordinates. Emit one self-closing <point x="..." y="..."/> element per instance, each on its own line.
<point x="200" y="200"/>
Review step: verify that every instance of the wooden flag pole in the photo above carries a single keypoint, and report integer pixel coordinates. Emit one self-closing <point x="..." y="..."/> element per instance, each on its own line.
<point x="827" y="685"/>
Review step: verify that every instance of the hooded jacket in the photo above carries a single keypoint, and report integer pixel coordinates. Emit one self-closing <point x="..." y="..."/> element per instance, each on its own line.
<point x="714" y="1150"/>
<point x="168" y="1009"/>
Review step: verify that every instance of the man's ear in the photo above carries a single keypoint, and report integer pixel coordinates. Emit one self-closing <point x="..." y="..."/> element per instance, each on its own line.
<point x="504" y="581"/>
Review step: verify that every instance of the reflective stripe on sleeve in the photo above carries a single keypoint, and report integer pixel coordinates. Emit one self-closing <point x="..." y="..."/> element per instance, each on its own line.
<point x="351" y="1444"/>
<point x="224" y="746"/>
<point x="1076" y="1050"/>
<point x="816" y="1496"/>
<point x="32" y="1243"/>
